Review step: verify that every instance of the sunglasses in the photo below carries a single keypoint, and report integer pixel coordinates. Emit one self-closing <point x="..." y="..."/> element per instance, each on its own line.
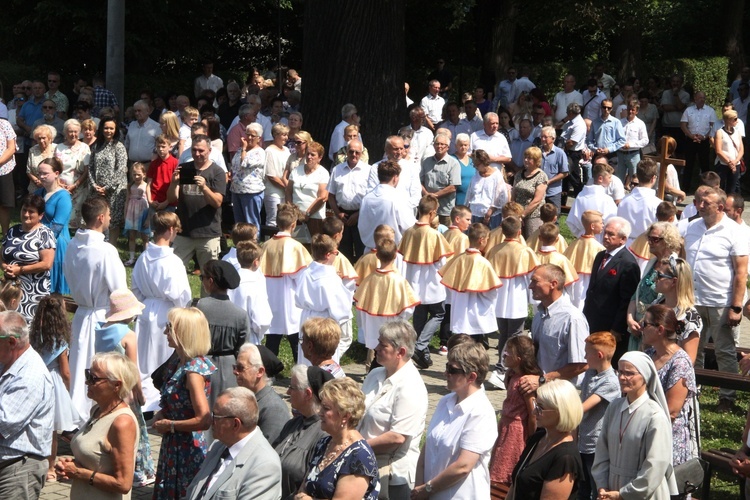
<point x="648" y="323"/>
<point x="655" y="239"/>
<point x="215" y="416"/>
<point x="91" y="379"/>
<point x="662" y="276"/>
<point x="454" y="370"/>
<point x="300" y="143"/>
<point x="606" y="107"/>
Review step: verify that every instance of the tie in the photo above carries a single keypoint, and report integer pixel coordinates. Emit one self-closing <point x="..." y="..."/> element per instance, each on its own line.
<point x="607" y="256"/>
<point x="210" y="478"/>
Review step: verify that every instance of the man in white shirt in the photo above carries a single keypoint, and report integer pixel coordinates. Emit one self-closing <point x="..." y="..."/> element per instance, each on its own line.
<point x="574" y="135"/>
<point x="521" y="85"/>
<point x="408" y="180"/>
<point x="636" y="138"/>
<point x="475" y="122"/>
<point x="346" y="188"/>
<point x="433" y="104"/>
<point x="592" y="101"/>
<point x="717" y="251"/>
<point x="742" y="102"/>
<point x="349" y="116"/>
<point x="207" y="81"/>
<point x="455" y="124"/>
<point x="592" y="197"/>
<point x="563" y="99"/>
<point x="141" y="134"/>
<point x="734" y="208"/>
<point x="674" y="101"/>
<point x="504" y="89"/>
<point x="639" y="207"/>
<point x="607" y="80"/>
<point x="697" y="122"/>
<point x="492" y="142"/>
<point x="422" y="136"/>
<point x="384" y="205"/>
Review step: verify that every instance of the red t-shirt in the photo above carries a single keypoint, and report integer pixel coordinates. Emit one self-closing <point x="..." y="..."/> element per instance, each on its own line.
<point x="160" y="172"/>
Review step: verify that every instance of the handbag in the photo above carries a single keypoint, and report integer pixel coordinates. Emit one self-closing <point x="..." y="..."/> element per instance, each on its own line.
<point x="385" y="479"/>
<point x="689" y="476"/>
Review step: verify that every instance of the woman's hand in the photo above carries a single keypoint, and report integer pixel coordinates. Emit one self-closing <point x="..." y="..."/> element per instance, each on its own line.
<point x="66" y="468"/>
<point x="162" y="426"/>
<point x="634" y="327"/>
<point x="100" y="190"/>
<point x="302" y="496"/>
<point x="608" y="495"/>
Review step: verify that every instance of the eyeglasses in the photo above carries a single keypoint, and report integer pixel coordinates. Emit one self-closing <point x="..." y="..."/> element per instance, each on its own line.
<point x="292" y="388"/>
<point x="454" y="370"/>
<point x="662" y="276"/>
<point x="655" y="239"/>
<point x="606" y="107"/>
<point x="539" y="409"/>
<point x="628" y="375"/>
<point x="214" y="416"/>
<point x="48" y="107"/>
<point x="240" y="368"/>
<point x="300" y="143"/>
<point x="168" y="327"/>
<point x="353" y="152"/>
<point x="644" y="324"/>
<point x="91" y="379"/>
<point x="10" y="337"/>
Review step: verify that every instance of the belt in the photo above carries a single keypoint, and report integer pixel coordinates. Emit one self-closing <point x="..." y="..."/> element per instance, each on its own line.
<point x="348" y="212"/>
<point x="629" y="151"/>
<point x="221" y="353"/>
<point x="10" y="461"/>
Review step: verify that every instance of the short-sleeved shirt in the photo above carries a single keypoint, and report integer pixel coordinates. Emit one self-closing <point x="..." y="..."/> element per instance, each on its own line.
<point x="439" y="174"/>
<point x="160" y="172"/>
<point x="349" y="185"/>
<point x="305" y="189"/>
<point x="607" y="387"/>
<point x="554" y="162"/>
<point x="358" y="459"/>
<point x="563" y="459"/>
<point x="198" y="218"/>
<point x="494" y="145"/>
<point x="6" y="134"/>
<point x="699" y="121"/>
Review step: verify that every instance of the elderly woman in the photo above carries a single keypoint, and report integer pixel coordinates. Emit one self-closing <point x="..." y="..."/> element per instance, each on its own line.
<point x="634" y="453"/>
<point x="104" y="448"/>
<point x="487" y="192"/>
<point x="463" y="142"/>
<point x="308" y="188"/>
<point x="43" y="149"/>
<point x="351" y="132"/>
<point x="88" y="132"/>
<point x="675" y="370"/>
<point x="395" y="409"/>
<point x="75" y="157"/>
<point x="108" y="172"/>
<point x="248" y="170"/>
<point x="529" y="189"/>
<point x="663" y="241"/>
<point x="28" y="253"/>
<point x="299" y="436"/>
<point x="550" y="465"/>
<point x="343" y="465"/>
<point x="277" y="155"/>
<point x="57" y="209"/>
<point x="294" y="121"/>
<point x="729" y="152"/>
<point x="319" y="339"/>
<point x="184" y="413"/>
<point x="454" y="462"/>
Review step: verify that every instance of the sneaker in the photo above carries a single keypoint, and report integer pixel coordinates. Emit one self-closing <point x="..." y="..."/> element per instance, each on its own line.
<point x="443" y="350"/>
<point x="421" y="360"/>
<point x="428" y="357"/>
<point x="496" y="380"/>
<point x="129" y="262"/>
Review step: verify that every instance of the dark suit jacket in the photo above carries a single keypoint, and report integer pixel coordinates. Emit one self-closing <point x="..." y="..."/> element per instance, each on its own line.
<point x="610" y="291"/>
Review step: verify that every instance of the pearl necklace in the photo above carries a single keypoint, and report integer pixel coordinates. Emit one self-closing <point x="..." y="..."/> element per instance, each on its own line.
<point x="333" y="453"/>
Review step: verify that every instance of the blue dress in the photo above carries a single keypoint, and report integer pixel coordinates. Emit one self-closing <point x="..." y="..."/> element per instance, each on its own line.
<point x="467" y="172"/>
<point x="357" y="459"/>
<point x="57" y="212"/>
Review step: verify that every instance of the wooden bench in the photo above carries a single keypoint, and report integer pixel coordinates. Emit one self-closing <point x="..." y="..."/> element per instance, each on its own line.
<point x="719" y="461"/>
<point x="498" y="491"/>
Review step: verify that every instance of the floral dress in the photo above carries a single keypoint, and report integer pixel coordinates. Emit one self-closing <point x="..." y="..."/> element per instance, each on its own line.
<point x="181" y="453"/>
<point x="511" y="434"/>
<point x="109" y="169"/>
<point x="524" y="189"/>
<point x="20" y="247"/>
<point x="680" y="367"/>
<point x="75" y="161"/>
<point x="357" y="459"/>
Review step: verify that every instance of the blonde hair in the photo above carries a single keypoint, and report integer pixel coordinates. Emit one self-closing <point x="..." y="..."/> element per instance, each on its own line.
<point x="346" y="396"/>
<point x="684" y="285"/>
<point x="118" y="368"/>
<point x="324" y="333"/>
<point x="171" y="123"/>
<point x="562" y="396"/>
<point x="190" y="331"/>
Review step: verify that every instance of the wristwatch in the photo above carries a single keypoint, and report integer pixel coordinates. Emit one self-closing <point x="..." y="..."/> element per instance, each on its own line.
<point x="542" y="380"/>
<point x="428" y="486"/>
<point x="736" y="309"/>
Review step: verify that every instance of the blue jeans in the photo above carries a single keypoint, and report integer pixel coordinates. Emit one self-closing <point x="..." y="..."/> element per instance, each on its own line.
<point x="246" y="207"/>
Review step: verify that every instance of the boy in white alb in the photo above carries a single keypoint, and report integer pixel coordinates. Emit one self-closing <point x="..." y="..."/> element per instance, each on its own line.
<point x="459" y="242"/>
<point x="242" y="231"/>
<point x="582" y="252"/>
<point x="382" y="296"/>
<point x="93" y="270"/>
<point x="368" y="263"/>
<point x="282" y="261"/>
<point x="639" y="207"/>
<point x="334" y="227"/>
<point x="510" y="209"/>
<point x="548" y="253"/>
<point x="548" y="213"/>
<point x="472" y="285"/>
<point x="513" y="262"/>
<point x="592" y="197"/>
<point x="251" y="295"/>
<point x="320" y="291"/>
<point x="425" y="251"/>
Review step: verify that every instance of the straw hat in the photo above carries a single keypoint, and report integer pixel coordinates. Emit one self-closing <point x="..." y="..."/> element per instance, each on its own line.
<point x="123" y="305"/>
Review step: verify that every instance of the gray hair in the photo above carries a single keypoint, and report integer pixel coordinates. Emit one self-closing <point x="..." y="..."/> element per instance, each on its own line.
<point x="399" y="334"/>
<point x="574" y="108"/>
<point x="246" y="109"/>
<point x="489" y="115"/>
<point x="348" y="110"/>
<point x="550" y="131"/>
<point x="623" y="226"/>
<point x="51" y="131"/>
<point x="299" y="373"/>
<point x="253" y="356"/>
<point x="444" y="132"/>
<point x="143" y="103"/>
<point x="14" y="325"/>
<point x="463" y="137"/>
<point x="234" y="85"/>
<point x="69" y="123"/>
<point x="242" y="404"/>
<point x="255" y="127"/>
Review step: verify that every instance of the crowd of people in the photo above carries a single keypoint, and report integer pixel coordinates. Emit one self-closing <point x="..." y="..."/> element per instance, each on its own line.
<point x="454" y="233"/>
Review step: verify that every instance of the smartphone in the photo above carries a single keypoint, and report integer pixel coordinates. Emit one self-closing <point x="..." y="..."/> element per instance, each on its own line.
<point x="188" y="173"/>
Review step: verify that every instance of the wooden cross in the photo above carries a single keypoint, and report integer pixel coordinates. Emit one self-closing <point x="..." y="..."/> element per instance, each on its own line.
<point x="664" y="160"/>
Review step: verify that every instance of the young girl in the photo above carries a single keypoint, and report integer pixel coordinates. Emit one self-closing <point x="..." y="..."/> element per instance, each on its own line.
<point x="49" y="335"/>
<point x="518" y="419"/>
<point x="114" y="334"/>
<point x="10" y="295"/>
<point x="136" y="211"/>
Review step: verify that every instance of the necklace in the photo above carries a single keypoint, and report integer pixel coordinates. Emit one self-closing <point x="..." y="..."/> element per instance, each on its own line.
<point x="102" y="415"/>
<point x="331" y="454"/>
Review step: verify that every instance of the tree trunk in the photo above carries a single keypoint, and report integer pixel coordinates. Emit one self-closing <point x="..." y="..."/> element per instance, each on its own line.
<point x="626" y="49"/>
<point x="354" y="53"/>
<point x="503" y="38"/>
<point x="733" y="12"/>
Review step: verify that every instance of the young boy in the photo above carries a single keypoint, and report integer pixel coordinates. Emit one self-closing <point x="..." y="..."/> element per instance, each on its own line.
<point x="321" y="293"/>
<point x="548" y="213"/>
<point x="548" y="253"/>
<point x="251" y="294"/>
<point x="334" y="227"/>
<point x="472" y="284"/>
<point x="282" y="261"/>
<point x="665" y="212"/>
<point x="242" y="231"/>
<point x="368" y="263"/>
<point x="510" y="209"/>
<point x="581" y="254"/>
<point x="159" y="176"/>
<point x="513" y="262"/>
<point x="425" y="251"/>
<point x="382" y="296"/>
<point x="599" y="388"/>
<point x="189" y="116"/>
<point x="456" y="233"/>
